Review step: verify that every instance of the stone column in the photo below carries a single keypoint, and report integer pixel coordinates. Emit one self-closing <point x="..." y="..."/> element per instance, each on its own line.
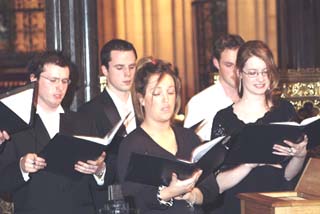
<point x="72" y="28"/>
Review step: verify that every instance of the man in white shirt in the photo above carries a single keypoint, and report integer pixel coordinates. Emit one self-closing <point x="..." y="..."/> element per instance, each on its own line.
<point x="34" y="189"/>
<point x="205" y="104"/>
<point x="118" y="64"/>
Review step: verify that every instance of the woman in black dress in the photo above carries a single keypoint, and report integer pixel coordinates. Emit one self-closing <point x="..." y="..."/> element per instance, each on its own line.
<point x="156" y="100"/>
<point x="259" y="103"/>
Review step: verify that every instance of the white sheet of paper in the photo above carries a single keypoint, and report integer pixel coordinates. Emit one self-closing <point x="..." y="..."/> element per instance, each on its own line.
<point x="304" y="122"/>
<point x="109" y="136"/>
<point x="204" y="148"/>
<point x="20" y="103"/>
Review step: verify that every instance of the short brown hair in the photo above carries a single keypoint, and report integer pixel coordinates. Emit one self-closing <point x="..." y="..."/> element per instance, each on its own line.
<point x="115" y="45"/>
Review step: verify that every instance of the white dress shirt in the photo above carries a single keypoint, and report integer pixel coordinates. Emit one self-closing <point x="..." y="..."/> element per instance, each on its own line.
<point x="205" y="105"/>
<point x="51" y="120"/>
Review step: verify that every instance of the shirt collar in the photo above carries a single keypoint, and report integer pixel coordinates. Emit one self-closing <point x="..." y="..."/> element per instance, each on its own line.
<point x="41" y="111"/>
<point x="117" y="101"/>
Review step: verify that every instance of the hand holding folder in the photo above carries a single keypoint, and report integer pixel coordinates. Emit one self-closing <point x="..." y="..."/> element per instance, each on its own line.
<point x="16" y="108"/>
<point x="254" y="143"/>
<point x="64" y="151"/>
<point x="309" y="126"/>
<point x="157" y="171"/>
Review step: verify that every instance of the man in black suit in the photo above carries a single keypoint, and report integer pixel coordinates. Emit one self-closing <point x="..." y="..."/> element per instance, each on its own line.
<point x="118" y="64"/>
<point x="34" y="189"/>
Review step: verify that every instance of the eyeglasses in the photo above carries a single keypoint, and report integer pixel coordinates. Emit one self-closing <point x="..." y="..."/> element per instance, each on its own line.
<point x="56" y="80"/>
<point x="252" y="73"/>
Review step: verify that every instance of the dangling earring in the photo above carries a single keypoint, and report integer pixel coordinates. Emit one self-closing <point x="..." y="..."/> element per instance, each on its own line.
<point x="240" y="86"/>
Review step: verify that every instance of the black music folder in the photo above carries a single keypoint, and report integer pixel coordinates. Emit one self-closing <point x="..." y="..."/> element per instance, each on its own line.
<point x="64" y="151"/>
<point x="17" y="109"/>
<point x="157" y="171"/>
<point x="254" y="143"/>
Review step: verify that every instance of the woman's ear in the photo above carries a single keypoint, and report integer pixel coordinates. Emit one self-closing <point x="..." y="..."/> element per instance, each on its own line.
<point x="141" y="99"/>
<point x="33" y="78"/>
<point x="239" y="74"/>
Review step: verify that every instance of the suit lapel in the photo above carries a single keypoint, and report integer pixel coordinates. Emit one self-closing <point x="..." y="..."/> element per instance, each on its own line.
<point x="66" y="125"/>
<point x="41" y="134"/>
<point x="110" y="108"/>
<point x="111" y="112"/>
<point x="42" y="137"/>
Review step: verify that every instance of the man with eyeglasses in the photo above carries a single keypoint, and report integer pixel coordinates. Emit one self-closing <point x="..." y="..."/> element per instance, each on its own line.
<point x="118" y="64"/>
<point x="35" y="190"/>
<point x="205" y="104"/>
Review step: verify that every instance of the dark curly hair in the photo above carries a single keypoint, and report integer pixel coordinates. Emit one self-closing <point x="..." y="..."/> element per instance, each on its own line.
<point x="37" y="63"/>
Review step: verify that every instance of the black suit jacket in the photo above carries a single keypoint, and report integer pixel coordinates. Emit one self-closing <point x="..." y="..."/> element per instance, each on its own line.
<point x="46" y="192"/>
<point x="104" y="112"/>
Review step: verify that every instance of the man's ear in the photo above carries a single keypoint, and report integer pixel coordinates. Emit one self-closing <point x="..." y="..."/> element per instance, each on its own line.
<point x="104" y="70"/>
<point x="216" y="63"/>
<point x="33" y="78"/>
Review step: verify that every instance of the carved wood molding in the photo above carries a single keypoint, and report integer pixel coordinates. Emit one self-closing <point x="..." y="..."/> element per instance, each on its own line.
<point x="6" y="207"/>
<point x="301" y="85"/>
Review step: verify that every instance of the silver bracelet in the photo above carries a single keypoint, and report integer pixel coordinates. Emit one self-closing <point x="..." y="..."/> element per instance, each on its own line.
<point x="191" y="203"/>
<point x="99" y="175"/>
<point x="166" y="203"/>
